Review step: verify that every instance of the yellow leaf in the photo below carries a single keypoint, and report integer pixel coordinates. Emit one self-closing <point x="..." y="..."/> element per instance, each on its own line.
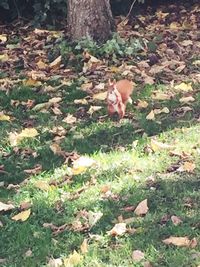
<point x="56" y="149"/>
<point x="41" y="65"/>
<point x="42" y="185"/>
<point x="196" y="62"/>
<point x="114" y="69"/>
<point x="151" y="116"/>
<point x="176" y="220"/>
<point x="22" y="216"/>
<point x="4" y="58"/>
<point x="73" y="260"/>
<point x="186" y="99"/>
<point x="158" y="146"/>
<point x="84" y="246"/>
<point x="142" y="104"/>
<point x="81" y="101"/>
<point x="4" y="117"/>
<point x="118" y="230"/>
<point x="174" y="26"/>
<point x="28" y="133"/>
<point x="141" y="208"/>
<point x="177" y="241"/>
<point x="78" y="170"/>
<point x="5" y="207"/>
<point x="56" y="63"/>
<point x="185" y="87"/>
<point x="31" y="82"/>
<point x="83" y="162"/>
<point x="55" y="100"/>
<point x="187" y="167"/>
<point x="100" y="96"/>
<point x="161" y="96"/>
<point x="3" y="38"/>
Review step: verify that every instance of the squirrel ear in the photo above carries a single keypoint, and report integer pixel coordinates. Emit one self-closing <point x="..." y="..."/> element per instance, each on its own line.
<point x="111" y="83"/>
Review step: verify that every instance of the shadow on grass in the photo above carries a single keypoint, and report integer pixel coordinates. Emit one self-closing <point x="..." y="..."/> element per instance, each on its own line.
<point x="178" y="196"/>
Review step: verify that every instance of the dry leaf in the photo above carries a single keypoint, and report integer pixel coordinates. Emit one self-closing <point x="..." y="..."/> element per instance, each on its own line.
<point x="5" y="207"/>
<point x="70" y="119"/>
<point x="87" y="86"/>
<point x="151" y="116"/>
<point x="32" y="82"/>
<point x="81" y="101"/>
<point x="186" y="99"/>
<point x="56" y="111"/>
<point x="78" y="170"/>
<point x="37" y="169"/>
<point x="176" y="220"/>
<point x="94" y="217"/>
<point x="41" y="65"/>
<point x="161" y="96"/>
<point x="142" y="104"/>
<point x="42" y="185"/>
<point x="141" y="208"/>
<point x="22" y="216"/>
<point x="137" y="255"/>
<point x="93" y="109"/>
<point x="73" y="260"/>
<point x="28" y="253"/>
<point x="56" y="149"/>
<point x="55" y="263"/>
<point x="118" y="230"/>
<point x="55" y="100"/>
<point x="158" y="146"/>
<point x="4" y="117"/>
<point x="159" y="111"/>
<point x="185" y="87"/>
<point x="56" y="63"/>
<point x="28" y="133"/>
<point x="3" y="38"/>
<point x="100" y="96"/>
<point x="83" y="161"/>
<point x="187" y="167"/>
<point x="41" y="106"/>
<point x="174" y="26"/>
<point x="177" y="241"/>
<point x="84" y="246"/>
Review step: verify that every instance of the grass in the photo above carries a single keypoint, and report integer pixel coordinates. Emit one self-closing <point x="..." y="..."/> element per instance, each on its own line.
<point x="131" y="173"/>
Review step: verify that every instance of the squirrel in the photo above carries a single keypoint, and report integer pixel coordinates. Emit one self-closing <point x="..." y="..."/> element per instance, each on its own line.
<point x="118" y="96"/>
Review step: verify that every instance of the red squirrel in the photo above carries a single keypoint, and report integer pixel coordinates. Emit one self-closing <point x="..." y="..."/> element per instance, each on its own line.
<point x="118" y="96"/>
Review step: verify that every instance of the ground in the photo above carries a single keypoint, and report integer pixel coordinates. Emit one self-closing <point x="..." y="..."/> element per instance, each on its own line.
<point x="75" y="177"/>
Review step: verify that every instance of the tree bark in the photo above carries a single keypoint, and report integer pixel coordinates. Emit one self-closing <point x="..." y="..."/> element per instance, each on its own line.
<point x="91" y="19"/>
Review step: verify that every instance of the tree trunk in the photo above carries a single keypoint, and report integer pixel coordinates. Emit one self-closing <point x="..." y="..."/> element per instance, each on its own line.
<point x="90" y="18"/>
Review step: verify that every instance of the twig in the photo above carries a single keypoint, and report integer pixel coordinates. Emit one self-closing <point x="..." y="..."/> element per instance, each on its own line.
<point x="130" y="10"/>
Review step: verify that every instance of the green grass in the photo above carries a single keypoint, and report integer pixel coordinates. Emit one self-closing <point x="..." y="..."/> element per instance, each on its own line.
<point x="125" y="169"/>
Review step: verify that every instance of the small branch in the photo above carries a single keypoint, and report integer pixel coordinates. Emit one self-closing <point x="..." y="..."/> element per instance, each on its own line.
<point x="130" y="10"/>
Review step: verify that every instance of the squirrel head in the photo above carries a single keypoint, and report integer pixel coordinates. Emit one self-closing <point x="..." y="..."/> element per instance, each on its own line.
<point x="111" y="84"/>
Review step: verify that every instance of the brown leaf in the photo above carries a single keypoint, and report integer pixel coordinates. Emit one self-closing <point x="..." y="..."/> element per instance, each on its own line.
<point x="25" y="205"/>
<point x="70" y="119"/>
<point x="142" y="104"/>
<point x="176" y="220"/>
<point x="186" y="99"/>
<point x="56" y="63"/>
<point x="37" y="169"/>
<point x="151" y="116"/>
<point x="142" y="208"/>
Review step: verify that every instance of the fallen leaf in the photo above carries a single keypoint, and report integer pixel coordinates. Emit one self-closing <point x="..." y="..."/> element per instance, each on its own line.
<point x="56" y="63"/>
<point x="118" y="230"/>
<point x="81" y="101"/>
<point x="142" y="104"/>
<point x="137" y="255"/>
<point x="151" y="116"/>
<point x="78" y="170"/>
<point x="100" y="96"/>
<point x="5" y="207"/>
<point x="93" y="109"/>
<point x="141" y="208"/>
<point x="3" y="38"/>
<point x="22" y="216"/>
<point x="4" y="117"/>
<point x="55" y="263"/>
<point x="186" y="99"/>
<point x="70" y="119"/>
<point x="161" y="96"/>
<point x="3" y="260"/>
<point x="4" y="58"/>
<point x="25" y="205"/>
<point x="73" y="260"/>
<point x="178" y="241"/>
<point x="41" y="65"/>
<point x="187" y="42"/>
<point x="185" y="87"/>
<point x="159" y="111"/>
<point x="158" y="146"/>
<point x="41" y="106"/>
<point x="84" y="161"/>
<point x="32" y="82"/>
<point x="37" y="169"/>
<point x="55" y="100"/>
<point x="56" y="149"/>
<point x="174" y="26"/>
<point x="84" y="246"/>
<point x="94" y="217"/>
<point x="42" y="185"/>
<point x="187" y="167"/>
<point x="176" y="220"/>
<point x="28" y="253"/>
<point x="56" y="111"/>
<point x="87" y="86"/>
